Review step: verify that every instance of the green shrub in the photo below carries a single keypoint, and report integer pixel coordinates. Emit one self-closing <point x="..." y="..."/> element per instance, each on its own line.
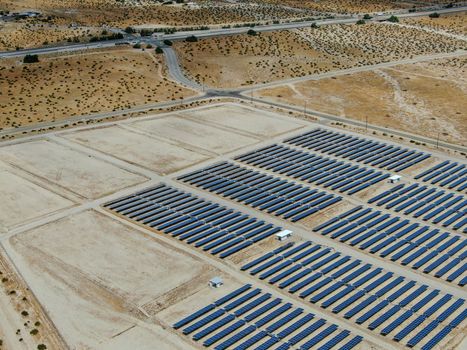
<point x="31" y="59"/>
<point x="191" y="39"/>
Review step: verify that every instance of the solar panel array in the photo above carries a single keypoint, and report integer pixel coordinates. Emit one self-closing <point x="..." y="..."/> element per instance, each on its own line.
<point x="390" y="304"/>
<point x="250" y="318"/>
<point x="451" y="175"/>
<point x="441" y="254"/>
<point x="358" y="149"/>
<point x="305" y="166"/>
<point x="427" y="203"/>
<point x="210" y="226"/>
<point x="279" y="197"/>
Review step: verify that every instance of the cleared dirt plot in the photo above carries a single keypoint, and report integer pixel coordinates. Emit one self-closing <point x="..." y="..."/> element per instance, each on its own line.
<point x="65" y="86"/>
<point x="64" y="265"/>
<point x="424" y="98"/>
<point x="32" y="33"/>
<point x="252" y="121"/>
<point x="246" y="59"/>
<point x="451" y="23"/>
<point x="22" y="200"/>
<point x="70" y="169"/>
<point x="135" y="148"/>
<point x="194" y="134"/>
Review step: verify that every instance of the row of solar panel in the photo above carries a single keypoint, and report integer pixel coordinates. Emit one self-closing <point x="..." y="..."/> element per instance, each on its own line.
<point x="441" y="254"/>
<point x="451" y="175"/>
<point x="360" y="290"/>
<point x="252" y="317"/>
<point x="430" y="204"/>
<point x="305" y="166"/>
<point x="279" y="197"/>
<point x="375" y="153"/>
<point x="204" y="224"/>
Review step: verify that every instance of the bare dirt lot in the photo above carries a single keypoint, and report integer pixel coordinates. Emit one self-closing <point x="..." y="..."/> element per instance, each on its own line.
<point x="244" y="119"/>
<point x="72" y="170"/>
<point x="135" y="148"/>
<point x="64" y="86"/>
<point x="424" y="98"/>
<point x="247" y="59"/>
<point x="23" y="200"/>
<point x="194" y="134"/>
<point x="101" y="293"/>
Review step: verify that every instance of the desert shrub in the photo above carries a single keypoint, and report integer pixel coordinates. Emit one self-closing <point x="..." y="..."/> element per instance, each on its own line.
<point x="31" y="59"/>
<point x="191" y="39"/>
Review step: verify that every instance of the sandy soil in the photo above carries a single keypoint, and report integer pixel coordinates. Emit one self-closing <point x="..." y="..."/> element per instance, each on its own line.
<point x="194" y="134"/>
<point x="72" y="170"/>
<point x="23" y="324"/>
<point x="26" y="34"/>
<point x="451" y="23"/>
<point x="135" y="148"/>
<point x="65" y="86"/>
<point x="424" y="98"/>
<point x="244" y="59"/>
<point x="344" y="6"/>
<point x="64" y="265"/>
<point x="23" y="200"/>
<point x="244" y="119"/>
<point x="125" y="13"/>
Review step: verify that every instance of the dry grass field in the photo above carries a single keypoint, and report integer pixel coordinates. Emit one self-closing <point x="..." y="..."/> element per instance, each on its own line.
<point x="244" y="59"/>
<point x="454" y="23"/>
<point x="423" y="98"/>
<point x="27" y="34"/>
<point x="63" y="86"/>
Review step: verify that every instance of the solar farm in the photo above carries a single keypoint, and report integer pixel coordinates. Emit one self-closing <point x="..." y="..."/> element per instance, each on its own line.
<point x="184" y="197"/>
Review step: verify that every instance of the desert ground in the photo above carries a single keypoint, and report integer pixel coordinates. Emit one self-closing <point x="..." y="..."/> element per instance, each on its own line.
<point x="454" y="23"/>
<point x="424" y="98"/>
<point x="247" y="59"/>
<point x="63" y="86"/>
<point x="119" y="281"/>
<point x="127" y="13"/>
<point x="27" y="34"/>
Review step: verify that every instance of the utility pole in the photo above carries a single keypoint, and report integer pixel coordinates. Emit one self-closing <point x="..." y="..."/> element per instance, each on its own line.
<point x="366" y="123"/>
<point x="437" y="141"/>
<point x="304" y="109"/>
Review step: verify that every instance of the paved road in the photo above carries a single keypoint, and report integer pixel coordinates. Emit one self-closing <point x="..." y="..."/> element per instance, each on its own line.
<point x="214" y="33"/>
<point x="175" y="71"/>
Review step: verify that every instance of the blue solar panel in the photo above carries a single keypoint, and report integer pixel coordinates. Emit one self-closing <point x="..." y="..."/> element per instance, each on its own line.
<point x="306" y="332"/>
<point x="194" y="316"/>
<point x="320" y="336"/>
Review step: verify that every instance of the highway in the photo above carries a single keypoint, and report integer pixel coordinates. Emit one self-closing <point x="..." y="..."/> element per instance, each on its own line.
<point x="214" y="32"/>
